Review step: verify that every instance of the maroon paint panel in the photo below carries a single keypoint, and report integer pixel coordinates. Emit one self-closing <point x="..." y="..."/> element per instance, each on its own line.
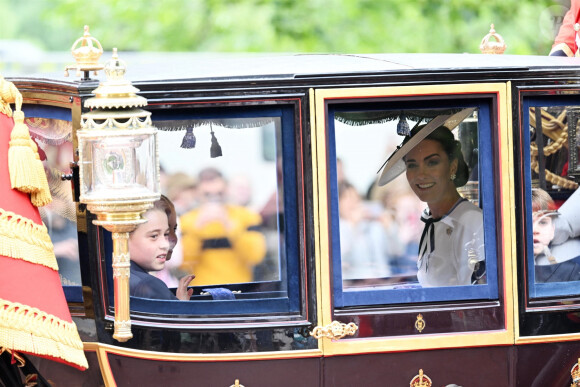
<point x="547" y="364"/>
<point x="136" y="372"/>
<point x="403" y="324"/>
<point x="63" y="375"/>
<point x="469" y="367"/>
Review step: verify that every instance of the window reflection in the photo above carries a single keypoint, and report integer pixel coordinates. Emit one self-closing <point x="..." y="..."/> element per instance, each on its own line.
<point x="554" y="242"/>
<point x="54" y="140"/>
<point x="556" y="247"/>
<point x="381" y="227"/>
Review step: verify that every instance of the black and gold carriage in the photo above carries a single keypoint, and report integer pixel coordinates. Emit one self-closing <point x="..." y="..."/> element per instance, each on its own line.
<point x="293" y="127"/>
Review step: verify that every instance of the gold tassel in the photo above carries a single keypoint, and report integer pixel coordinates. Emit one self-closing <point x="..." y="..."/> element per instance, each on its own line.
<point x="31" y="330"/>
<point x="20" y="156"/>
<point x="42" y="196"/>
<point x="26" y="170"/>
<point x="8" y="94"/>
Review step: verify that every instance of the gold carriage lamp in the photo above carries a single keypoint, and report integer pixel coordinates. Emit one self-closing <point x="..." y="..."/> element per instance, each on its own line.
<point x="119" y="172"/>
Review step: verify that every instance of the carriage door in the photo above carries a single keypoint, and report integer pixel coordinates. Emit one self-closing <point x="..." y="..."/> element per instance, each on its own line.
<point x="548" y="228"/>
<point x="376" y="314"/>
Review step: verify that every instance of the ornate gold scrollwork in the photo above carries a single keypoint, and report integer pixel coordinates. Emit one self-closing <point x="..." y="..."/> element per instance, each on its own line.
<point x="15" y="356"/>
<point x="336" y="330"/>
<point x="575" y="372"/>
<point x="421" y="380"/>
<point x="420" y="323"/>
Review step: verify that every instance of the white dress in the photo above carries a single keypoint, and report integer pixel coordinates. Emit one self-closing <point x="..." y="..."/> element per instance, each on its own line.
<point x="451" y="247"/>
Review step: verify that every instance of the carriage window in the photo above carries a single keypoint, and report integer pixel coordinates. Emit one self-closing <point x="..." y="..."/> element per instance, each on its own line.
<point x="418" y="230"/>
<point x="231" y="180"/>
<point x="51" y="129"/>
<point x="552" y="198"/>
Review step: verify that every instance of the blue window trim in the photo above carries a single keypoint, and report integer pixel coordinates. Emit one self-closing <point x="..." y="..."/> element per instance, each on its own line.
<point x="212" y="307"/>
<point x="383" y="296"/>
<point x="291" y="277"/>
<point x="540" y="290"/>
<point x="71" y="293"/>
<point x="50" y="112"/>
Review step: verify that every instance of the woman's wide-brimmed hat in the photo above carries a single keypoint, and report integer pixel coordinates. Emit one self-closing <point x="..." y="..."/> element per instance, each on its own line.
<point x="395" y="165"/>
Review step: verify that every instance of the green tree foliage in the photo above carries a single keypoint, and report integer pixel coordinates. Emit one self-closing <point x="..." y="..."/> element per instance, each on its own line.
<point x="335" y="26"/>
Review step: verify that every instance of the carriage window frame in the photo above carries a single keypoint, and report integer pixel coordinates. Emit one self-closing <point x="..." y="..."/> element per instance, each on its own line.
<point x="539" y="291"/>
<point x="292" y="306"/>
<point x="73" y="293"/>
<point x="347" y="298"/>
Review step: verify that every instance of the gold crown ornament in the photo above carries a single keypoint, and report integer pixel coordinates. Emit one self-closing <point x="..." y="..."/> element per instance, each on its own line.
<point x="87" y="51"/>
<point x="421" y="380"/>
<point x="575" y="372"/>
<point x="490" y="47"/>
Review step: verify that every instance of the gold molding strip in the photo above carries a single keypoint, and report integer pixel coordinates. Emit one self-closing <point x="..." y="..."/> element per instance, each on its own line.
<point x="322" y="251"/>
<point x="104" y="349"/>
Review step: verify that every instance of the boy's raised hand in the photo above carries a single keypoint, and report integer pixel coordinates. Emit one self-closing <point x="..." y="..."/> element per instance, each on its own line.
<point x="182" y="292"/>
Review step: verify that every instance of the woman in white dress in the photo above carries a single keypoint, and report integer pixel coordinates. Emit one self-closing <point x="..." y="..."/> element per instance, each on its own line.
<point x="451" y="248"/>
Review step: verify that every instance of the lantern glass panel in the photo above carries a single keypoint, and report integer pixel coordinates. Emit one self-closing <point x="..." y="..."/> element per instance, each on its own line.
<point x="123" y="166"/>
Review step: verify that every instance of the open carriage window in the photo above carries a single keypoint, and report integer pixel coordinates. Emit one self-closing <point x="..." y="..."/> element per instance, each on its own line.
<point x="51" y="130"/>
<point x="420" y="227"/>
<point x="552" y="197"/>
<point x="231" y="176"/>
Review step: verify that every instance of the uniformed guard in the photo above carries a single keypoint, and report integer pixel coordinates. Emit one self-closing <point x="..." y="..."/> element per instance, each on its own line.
<point x="567" y="41"/>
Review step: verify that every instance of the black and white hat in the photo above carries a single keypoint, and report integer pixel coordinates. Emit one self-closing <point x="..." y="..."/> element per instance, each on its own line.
<point x="395" y="165"/>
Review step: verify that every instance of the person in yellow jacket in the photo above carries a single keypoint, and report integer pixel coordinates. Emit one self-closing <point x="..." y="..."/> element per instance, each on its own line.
<point x="221" y="242"/>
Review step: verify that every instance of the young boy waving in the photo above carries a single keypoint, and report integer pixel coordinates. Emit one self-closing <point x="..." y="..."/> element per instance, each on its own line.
<point x="148" y="245"/>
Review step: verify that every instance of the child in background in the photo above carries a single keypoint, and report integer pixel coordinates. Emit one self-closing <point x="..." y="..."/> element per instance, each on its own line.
<point x="543" y="210"/>
<point x="553" y="263"/>
<point x="149" y="246"/>
<point x="171" y="273"/>
<point x="362" y="240"/>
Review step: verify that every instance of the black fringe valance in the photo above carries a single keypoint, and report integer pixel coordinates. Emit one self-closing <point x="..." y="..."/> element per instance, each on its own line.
<point x="370" y="117"/>
<point x="227" y="123"/>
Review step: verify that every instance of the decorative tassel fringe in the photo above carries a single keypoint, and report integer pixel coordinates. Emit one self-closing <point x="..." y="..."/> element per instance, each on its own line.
<point x="30" y="330"/>
<point x="403" y="126"/>
<point x="26" y="170"/>
<point x="215" y="149"/>
<point x="227" y="123"/>
<point x="42" y="196"/>
<point x="21" y="238"/>
<point x="20" y="156"/>
<point x="189" y="139"/>
<point x="8" y="94"/>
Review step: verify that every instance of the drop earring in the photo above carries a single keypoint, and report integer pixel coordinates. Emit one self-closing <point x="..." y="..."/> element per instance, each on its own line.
<point x="453" y="176"/>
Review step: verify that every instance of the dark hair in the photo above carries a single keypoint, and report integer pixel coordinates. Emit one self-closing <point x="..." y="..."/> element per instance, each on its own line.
<point x="164" y="204"/>
<point x="452" y="148"/>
